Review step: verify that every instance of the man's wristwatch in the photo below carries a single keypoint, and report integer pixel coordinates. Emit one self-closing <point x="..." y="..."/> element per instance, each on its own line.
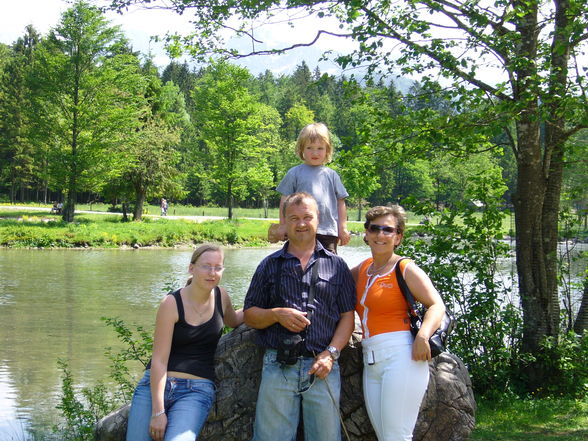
<point x="334" y="352"/>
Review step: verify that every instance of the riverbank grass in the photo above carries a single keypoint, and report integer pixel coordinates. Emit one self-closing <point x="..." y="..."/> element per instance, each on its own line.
<point x="190" y="210"/>
<point x="32" y="230"/>
<point x="547" y="419"/>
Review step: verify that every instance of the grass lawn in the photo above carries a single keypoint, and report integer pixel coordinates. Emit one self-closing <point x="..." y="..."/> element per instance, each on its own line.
<point x="189" y="210"/>
<point x="532" y="420"/>
<point x="24" y="229"/>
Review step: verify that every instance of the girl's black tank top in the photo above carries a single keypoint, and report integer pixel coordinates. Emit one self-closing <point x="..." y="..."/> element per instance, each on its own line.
<point x="193" y="347"/>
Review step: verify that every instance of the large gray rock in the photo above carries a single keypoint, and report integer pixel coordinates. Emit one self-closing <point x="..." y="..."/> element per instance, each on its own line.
<point x="113" y="427"/>
<point x="447" y="412"/>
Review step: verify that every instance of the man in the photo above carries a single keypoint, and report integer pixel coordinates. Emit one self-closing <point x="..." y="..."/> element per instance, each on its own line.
<point x="277" y="304"/>
<point x="163" y="206"/>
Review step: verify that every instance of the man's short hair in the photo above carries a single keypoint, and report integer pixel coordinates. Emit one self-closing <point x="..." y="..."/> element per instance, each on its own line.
<point x="297" y="199"/>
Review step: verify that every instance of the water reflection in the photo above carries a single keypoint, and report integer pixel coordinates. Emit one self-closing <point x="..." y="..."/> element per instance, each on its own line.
<point x="51" y="302"/>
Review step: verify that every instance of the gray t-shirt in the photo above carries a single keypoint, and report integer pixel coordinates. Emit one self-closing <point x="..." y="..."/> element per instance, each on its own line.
<point x="325" y="185"/>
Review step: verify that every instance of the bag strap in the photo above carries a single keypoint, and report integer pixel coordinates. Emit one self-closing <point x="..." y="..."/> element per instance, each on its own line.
<point x="404" y="287"/>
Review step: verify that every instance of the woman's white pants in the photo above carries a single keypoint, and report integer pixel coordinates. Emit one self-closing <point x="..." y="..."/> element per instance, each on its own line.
<point x="393" y="384"/>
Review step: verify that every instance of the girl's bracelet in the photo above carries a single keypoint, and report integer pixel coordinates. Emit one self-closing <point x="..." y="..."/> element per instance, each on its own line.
<point x="155" y="415"/>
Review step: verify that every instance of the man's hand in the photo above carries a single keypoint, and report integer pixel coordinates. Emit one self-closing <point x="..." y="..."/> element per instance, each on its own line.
<point x="291" y="319"/>
<point x="323" y="363"/>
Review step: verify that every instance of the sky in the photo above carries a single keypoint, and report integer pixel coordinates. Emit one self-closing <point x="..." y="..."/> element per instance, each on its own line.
<point x="139" y="25"/>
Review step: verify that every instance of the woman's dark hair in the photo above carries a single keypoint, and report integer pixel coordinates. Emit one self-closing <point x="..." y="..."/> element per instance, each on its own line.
<point x="395" y="210"/>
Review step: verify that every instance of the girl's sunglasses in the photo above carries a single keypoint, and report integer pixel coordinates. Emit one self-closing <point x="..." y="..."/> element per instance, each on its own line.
<point x="373" y="228"/>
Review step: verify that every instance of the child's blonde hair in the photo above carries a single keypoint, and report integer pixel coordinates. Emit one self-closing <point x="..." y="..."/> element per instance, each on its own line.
<point x="311" y="133"/>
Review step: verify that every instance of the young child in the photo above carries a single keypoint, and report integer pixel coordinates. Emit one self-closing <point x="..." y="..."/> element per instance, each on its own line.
<point x="312" y="176"/>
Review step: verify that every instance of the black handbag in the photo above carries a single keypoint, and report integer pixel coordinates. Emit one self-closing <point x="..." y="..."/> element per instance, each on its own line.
<point x="438" y="340"/>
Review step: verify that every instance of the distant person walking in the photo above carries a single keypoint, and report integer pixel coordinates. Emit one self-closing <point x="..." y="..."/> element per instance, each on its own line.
<point x="315" y="149"/>
<point x="163" y="207"/>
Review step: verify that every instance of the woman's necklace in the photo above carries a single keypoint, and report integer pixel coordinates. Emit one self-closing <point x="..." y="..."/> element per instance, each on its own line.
<point x="195" y="309"/>
<point x="375" y="271"/>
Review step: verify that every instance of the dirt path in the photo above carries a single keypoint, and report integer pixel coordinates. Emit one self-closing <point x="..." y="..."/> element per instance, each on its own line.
<point x="190" y="218"/>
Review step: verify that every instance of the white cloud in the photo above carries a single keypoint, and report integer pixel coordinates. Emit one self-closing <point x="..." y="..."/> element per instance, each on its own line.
<point x="139" y="25"/>
<point x="16" y="15"/>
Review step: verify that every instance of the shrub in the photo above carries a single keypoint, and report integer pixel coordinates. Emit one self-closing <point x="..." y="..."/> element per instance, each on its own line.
<point x="565" y="357"/>
<point x="82" y="409"/>
<point x="461" y="253"/>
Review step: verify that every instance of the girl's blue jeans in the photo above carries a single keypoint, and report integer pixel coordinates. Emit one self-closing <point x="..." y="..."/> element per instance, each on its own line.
<point x="187" y="403"/>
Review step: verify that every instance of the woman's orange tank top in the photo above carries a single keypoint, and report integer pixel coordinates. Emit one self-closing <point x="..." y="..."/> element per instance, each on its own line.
<point x="380" y="304"/>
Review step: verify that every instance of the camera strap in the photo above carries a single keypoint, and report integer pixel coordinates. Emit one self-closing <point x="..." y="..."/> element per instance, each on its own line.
<point x="313" y="280"/>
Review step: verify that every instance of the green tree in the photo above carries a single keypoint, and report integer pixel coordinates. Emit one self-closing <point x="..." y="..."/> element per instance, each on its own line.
<point x="452" y="176"/>
<point x="17" y="152"/>
<point x="411" y="177"/>
<point x="267" y="88"/>
<point x="263" y="179"/>
<point x="538" y="83"/>
<point x="358" y="173"/>
<point x="182" y="76"/>
<point x="575" y="183"/>
<point x="227" y="118"/>
<point x="87" y="99"/>
<point x="5" y="54"/>
<point x="295" y="119"/>
<point x="153" y="167"/>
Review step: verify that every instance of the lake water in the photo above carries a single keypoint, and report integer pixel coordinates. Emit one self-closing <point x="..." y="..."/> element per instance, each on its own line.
<point x="51" y="302"/>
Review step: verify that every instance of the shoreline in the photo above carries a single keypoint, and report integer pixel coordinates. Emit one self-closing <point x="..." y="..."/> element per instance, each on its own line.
<point x="30" y="229"/>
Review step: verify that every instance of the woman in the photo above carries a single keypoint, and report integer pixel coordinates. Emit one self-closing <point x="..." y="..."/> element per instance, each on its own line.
<point x="173" y="399"/>
<point x="396" y="372"/>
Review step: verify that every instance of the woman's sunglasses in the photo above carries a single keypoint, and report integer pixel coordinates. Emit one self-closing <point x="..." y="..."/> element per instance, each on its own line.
<point x="373" y="228"/>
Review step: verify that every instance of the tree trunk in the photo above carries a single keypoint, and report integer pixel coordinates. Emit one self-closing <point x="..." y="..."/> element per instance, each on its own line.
<point x="12" y="194"/>
<point x="69" y="207"/>
<point x="230" y="198"/>
<point x="125" y="207"/>
<point x="140" y="195"/>
<point x="536" y="202"/>
<point x="581" y="323"/>
<point x="533" y="270"/>
<point x="71" y="198"/>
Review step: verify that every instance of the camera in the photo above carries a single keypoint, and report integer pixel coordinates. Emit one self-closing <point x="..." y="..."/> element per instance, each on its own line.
<point x="289" y="349"/>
